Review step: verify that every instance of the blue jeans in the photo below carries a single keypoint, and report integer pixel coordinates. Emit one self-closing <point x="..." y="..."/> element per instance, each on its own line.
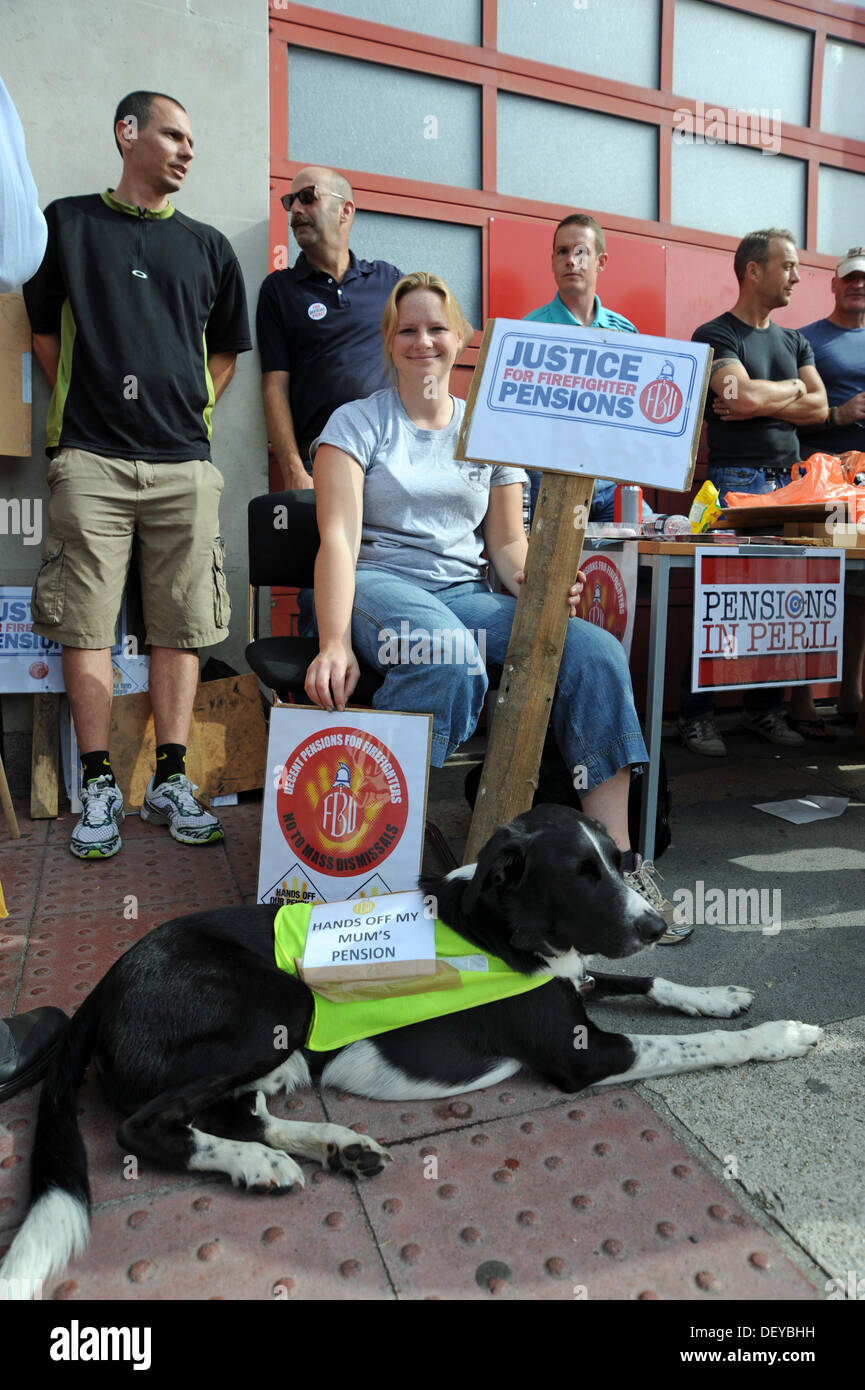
<point x="739" y="480"/>
<point x="603" y="499"/>
<point x="432" y="648"/>
<point x="700" y="704"/>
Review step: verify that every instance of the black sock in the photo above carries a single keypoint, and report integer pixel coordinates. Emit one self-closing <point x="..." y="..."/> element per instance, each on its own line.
<point x="170" y="762"/>
<point x="630" y="861"/>
<point x="95" y="765"/>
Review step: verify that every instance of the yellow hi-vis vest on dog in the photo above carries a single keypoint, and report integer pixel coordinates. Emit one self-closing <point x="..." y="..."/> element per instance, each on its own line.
<point x="335" y="1025"/>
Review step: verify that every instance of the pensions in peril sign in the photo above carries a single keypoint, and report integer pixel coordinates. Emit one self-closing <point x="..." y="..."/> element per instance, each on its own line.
<point x="767" y="619"/>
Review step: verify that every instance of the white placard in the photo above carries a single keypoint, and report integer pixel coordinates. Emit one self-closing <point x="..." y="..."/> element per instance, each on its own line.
<point x="30" y="663"/>
<point x="344" y="804"/>
<point x="388" y="929"/>
<point x="587" y="401"/>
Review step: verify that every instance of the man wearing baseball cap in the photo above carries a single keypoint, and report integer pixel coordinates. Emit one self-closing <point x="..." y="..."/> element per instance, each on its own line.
<point x="839" y="356"/>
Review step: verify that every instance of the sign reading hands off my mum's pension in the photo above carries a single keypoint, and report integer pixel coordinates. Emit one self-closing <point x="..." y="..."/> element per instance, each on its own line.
<point x="395" y="928"/>
<point x="587" y="401"/>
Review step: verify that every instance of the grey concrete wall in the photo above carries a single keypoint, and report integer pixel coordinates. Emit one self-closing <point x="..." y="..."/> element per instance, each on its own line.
<point x="66" y="67"/>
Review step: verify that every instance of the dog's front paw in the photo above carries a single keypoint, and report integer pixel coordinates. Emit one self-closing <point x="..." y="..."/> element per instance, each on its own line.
<point x="726" y="1001"/>
<point x="786" y="1038"/>
<point x="360" y="1156"/>
<point x="268" y="1170"/>
<point x="698" y="1001"/>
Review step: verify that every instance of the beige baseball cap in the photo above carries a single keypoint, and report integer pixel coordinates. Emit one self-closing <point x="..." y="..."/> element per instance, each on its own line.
<point x="854" y="260"/>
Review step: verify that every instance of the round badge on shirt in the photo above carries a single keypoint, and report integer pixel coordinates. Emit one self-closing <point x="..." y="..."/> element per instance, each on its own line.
<point x="317" y="311"/>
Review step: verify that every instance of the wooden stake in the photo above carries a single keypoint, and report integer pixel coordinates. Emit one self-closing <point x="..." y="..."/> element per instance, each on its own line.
<point x="525" y="697"/>
<point x="8" y="809"/>
<point x="44" y="794"/>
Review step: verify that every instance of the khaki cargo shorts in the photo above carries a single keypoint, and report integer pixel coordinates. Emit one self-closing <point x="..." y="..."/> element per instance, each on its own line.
<point x="98" y="508"/>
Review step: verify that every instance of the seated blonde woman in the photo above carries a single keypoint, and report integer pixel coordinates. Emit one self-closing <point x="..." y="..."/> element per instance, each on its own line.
<point x="402" y="525"/>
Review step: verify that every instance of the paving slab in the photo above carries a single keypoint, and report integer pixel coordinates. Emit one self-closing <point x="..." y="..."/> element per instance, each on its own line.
<point x="589" y="1199"/>
<point x="12" y="954"/>
<point x="21" y="868"/>
<point x="792" y="1134"/>
<point x="209" y="1241"/>
<point x="153" y="868"/>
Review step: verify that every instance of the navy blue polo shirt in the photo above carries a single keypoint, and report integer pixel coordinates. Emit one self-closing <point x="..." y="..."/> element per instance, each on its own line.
<point x="327" y="336"/>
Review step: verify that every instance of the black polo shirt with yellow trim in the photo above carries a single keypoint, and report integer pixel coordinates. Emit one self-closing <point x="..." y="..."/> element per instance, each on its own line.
<point x="326" y="335"/>
<point x="141" y="300"/>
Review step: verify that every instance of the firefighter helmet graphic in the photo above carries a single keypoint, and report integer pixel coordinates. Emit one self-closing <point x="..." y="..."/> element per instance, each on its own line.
<point x="662" y="400"/>
<point x="342" y="802"/>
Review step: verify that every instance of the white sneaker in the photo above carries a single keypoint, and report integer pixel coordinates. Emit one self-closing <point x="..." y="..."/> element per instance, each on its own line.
<point x="702" y="736"/>
<point x="641" y="879"/>
<point x="96" y="836"/>
<point x="773" y="727"/>
<point x="172" y="803"/>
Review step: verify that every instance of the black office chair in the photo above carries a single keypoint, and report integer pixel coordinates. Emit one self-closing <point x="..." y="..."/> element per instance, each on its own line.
<point x="283" y="543"/>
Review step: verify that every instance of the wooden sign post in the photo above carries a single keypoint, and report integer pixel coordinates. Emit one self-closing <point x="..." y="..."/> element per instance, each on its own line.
<point x="525" y="696"/>
<point x="629" y="407"/>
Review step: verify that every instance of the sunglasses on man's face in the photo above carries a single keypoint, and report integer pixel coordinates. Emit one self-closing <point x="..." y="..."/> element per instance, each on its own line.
<point x="308" y="195"/>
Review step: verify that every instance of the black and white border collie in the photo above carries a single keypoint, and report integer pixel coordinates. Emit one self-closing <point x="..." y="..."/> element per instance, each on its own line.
<point x="183" y="1030"/>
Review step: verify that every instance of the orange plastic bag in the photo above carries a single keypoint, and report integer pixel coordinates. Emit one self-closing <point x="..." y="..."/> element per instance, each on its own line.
<point x="853" y="463"/>
<point x="820" y="478"/>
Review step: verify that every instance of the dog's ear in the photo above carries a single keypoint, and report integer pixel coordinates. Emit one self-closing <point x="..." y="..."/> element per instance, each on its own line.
<point x="501" y="865"/>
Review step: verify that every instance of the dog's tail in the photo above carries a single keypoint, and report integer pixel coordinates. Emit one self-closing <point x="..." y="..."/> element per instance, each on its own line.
<point x="57" y="1225"/>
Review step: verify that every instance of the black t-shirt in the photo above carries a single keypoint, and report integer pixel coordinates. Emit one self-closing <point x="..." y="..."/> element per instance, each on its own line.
<point x="141" y="300"/>
<point x="327" y="336"/>
<point x="767" y="354"/>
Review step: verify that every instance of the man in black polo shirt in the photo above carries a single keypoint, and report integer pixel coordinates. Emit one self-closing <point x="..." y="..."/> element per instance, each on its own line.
<point x="318" y="323"/>
<point x="763" y="384"/>
<point x="138" y="314"/>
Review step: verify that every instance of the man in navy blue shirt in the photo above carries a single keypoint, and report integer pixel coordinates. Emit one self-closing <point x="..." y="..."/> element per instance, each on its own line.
<point x="318" y="323"/>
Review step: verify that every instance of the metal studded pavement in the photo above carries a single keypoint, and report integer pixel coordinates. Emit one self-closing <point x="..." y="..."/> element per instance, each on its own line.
<point x="515" y="1192"/>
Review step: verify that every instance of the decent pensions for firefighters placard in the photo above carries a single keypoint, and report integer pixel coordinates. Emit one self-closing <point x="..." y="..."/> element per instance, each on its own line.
<point x="587" y="401"/>
<point x="767" y="619"/>
<point x="344" y="804"/>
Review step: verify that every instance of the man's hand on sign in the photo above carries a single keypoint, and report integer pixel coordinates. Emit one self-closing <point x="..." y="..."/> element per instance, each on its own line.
<point x="574" y="592"/>
<point x="331" y="677"/>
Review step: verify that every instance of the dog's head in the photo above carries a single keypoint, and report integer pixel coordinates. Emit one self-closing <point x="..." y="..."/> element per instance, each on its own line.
<point x="550" y="884"/>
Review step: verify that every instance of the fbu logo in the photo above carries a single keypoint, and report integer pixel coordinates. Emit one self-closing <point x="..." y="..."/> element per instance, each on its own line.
<point x="339" y="808"/>
<point x="661" y="400"/>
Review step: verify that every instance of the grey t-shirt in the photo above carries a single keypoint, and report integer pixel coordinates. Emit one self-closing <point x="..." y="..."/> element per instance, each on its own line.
<point x="422" y="508"/>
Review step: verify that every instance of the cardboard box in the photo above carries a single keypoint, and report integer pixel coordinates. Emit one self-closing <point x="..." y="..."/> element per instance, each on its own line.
<point x="15" y="377"/>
